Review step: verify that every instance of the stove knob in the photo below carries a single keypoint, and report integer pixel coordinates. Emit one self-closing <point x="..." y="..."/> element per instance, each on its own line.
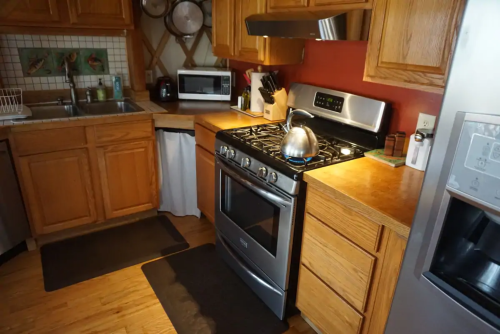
<point x="245" y="162"/>
<point x="262" y="172"/>
<point x="223" y="150"/>
<point x="273" y="177"/>
<point x="230" y="154"/>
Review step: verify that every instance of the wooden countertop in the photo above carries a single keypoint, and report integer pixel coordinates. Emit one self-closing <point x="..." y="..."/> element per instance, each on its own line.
<point x="228" y="120"/>
<point x="382" y="193"/>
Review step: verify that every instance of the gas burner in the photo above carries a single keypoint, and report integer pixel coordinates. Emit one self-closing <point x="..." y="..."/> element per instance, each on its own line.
<point x="267" y="139"/>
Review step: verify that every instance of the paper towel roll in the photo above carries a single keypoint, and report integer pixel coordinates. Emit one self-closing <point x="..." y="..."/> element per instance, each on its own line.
<point x="256" y="99"/>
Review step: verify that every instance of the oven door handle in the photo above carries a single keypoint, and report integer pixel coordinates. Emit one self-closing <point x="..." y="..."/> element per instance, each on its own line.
<point x="264" y="193"/>
<point x="244" y="267"/>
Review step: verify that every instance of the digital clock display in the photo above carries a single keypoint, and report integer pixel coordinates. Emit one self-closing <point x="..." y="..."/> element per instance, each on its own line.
<point x="330" y="102"/>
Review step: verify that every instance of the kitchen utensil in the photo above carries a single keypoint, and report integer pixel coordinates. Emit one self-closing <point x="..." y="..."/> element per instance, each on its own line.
<point x="276" y="82"/>
<point x="187" y="16"/>
<point x="206" y="7"/>
<point x="299" y="141"/>
<point x="165" y="90"/>
<point x="420" y="148"/>
<point x="247" y="78"/>
<point x="155" y="8"/>
<point x="266" y="95"/>
<point x="271" y="84"/>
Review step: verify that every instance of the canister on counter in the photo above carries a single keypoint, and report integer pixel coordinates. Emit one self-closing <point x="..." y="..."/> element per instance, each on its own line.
<point x="390" y="142"/>
<point x="400" y="144"/>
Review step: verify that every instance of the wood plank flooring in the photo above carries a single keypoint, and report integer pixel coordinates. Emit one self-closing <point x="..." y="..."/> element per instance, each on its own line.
<point x="118" y="303"/>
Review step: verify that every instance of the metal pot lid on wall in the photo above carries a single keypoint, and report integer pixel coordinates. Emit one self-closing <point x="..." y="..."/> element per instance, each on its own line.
<point x="187" y="17"/>
<point x="155" y="8"/>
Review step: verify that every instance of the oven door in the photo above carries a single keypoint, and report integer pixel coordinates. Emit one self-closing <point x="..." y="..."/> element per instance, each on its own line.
<point x="256" y="218"/>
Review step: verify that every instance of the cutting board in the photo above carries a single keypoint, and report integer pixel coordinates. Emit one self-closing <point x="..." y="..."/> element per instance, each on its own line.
<point x="388" y="160"/>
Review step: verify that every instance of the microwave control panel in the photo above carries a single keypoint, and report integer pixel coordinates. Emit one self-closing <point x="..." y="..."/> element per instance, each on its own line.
<point x="226" y="85"/>
<point x="476" y="168"/>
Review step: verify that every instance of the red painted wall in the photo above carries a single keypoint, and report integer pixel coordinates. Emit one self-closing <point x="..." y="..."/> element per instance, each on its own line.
<point x="340" y="65"/>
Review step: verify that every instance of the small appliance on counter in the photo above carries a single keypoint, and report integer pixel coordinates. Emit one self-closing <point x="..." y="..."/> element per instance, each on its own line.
<point x="205" y="83"/>
<point x="165" y="90"/>
<point x="420" y="148"/>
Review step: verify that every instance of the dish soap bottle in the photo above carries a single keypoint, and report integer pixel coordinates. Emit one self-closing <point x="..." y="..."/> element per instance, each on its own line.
<point x="101" y="91"/>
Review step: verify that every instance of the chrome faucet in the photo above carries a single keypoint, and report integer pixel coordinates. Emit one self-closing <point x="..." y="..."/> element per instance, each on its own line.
<point x="69" y="79"/>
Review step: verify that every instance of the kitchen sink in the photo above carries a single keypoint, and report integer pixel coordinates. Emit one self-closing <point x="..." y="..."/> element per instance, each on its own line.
<point x="48" y="111"/>
<point x="109" y="108"/>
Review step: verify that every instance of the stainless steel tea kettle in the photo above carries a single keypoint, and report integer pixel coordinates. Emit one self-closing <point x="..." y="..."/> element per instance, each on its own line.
<point x="300" y="141"/>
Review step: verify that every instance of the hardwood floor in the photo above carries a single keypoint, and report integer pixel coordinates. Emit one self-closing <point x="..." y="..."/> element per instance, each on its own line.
<point x="118" y="303"/>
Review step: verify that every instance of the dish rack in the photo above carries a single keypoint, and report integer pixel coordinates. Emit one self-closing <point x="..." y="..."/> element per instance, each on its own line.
<point x="11" y="104"/>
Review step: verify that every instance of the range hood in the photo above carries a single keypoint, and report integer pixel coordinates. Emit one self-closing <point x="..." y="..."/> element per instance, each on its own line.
<point x="316" y="25"/>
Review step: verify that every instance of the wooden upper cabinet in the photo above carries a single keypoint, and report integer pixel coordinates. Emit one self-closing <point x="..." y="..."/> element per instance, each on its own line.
<point x="248" y="48"/>
<point x="223" y="28"/>
<point x="101" y="13"/>
<point x="59" y="190"/>
<point x="128" y="178"/>
<point x="286" y="4"/>
<point x="411" y="42"/>
<point x="15" y="12"/>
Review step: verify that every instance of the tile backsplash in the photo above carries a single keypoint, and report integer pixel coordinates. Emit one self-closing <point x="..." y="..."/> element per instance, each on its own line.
<point x="32" y="62"/>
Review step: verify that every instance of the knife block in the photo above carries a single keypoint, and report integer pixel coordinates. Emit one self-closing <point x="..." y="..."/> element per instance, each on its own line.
<point x="277" y="110"/>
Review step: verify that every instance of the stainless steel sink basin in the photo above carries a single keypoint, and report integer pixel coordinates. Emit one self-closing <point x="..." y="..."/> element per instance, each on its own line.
<point x="52" y="110"/>
<point x="109" y="108"/>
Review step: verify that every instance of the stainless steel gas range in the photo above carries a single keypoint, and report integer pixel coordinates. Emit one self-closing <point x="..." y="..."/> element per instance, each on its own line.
<point x="260" y="195"/>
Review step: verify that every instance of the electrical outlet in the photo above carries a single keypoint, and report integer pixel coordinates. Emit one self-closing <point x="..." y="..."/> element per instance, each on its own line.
<point x="149" y="76"/>
<point x="426" y="121"/>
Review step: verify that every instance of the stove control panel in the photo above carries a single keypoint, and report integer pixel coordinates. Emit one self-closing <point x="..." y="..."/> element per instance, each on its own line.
<point x="330" y="102"/>
<point x="261" y="172"/>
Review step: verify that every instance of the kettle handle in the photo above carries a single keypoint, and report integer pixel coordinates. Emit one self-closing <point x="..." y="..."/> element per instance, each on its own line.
<point x="294" y="112"/>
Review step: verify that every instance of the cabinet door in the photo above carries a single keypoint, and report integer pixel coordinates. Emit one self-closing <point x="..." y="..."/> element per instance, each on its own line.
<point x="128" y="178"/>
<point x="411" y="42"/>
<point x="334" y="2"/>
<point x="205" y="180"/>
<point x="101" y="13"/>
<point x="15" y="12"/>
<point x="59" y="190"/>
<point x="285" y="4"/>
<point x="248" y="48"/>
<point x="223" y="28"/>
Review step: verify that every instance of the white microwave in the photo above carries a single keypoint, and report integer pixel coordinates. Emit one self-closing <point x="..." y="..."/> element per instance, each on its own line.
<point x="205" y="83"/>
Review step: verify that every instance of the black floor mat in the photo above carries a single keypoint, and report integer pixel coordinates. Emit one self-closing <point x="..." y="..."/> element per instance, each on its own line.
<point x="78" y="259"/>
<point x="202" y="295"/>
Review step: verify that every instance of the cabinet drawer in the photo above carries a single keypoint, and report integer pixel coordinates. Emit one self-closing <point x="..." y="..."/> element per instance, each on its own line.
<point x="108" y="133"/>
<point x="329" y="312"/>
<point x="346" y="268"/>
<point x="40" y="141"/>
<point x="347" y="222"/>
<point x="205" y="138"/>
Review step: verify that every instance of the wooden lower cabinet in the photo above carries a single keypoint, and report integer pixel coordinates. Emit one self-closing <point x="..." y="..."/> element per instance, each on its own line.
<point x="128" y="178"/>
<point x="82" y="175"/>
<point x="346" y="285"/>
<point x="59" y="189"/>
<point x="205" y="179"/>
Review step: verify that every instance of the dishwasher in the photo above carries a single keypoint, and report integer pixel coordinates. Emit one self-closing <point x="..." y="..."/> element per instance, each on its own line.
<point x="14" y="227"/>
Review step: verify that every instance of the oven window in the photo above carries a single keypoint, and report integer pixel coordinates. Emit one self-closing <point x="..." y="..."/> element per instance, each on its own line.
<point x="200" y="84"/>
<point x="255" y="215"/>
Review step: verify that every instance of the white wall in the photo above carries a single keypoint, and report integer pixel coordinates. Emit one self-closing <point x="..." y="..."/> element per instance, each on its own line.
<point x="173" y="57"/>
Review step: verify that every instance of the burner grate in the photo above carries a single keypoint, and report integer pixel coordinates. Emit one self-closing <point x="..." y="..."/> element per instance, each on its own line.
<point x="267" y="139"/>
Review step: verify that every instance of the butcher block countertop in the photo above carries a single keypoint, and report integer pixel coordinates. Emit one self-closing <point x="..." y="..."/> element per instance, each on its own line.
<point x="228" y="120"/>
<point x="384" y="194"/>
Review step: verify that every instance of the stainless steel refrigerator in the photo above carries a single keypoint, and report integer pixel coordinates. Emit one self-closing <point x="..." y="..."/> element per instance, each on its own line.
<point x="450" y="277"/>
